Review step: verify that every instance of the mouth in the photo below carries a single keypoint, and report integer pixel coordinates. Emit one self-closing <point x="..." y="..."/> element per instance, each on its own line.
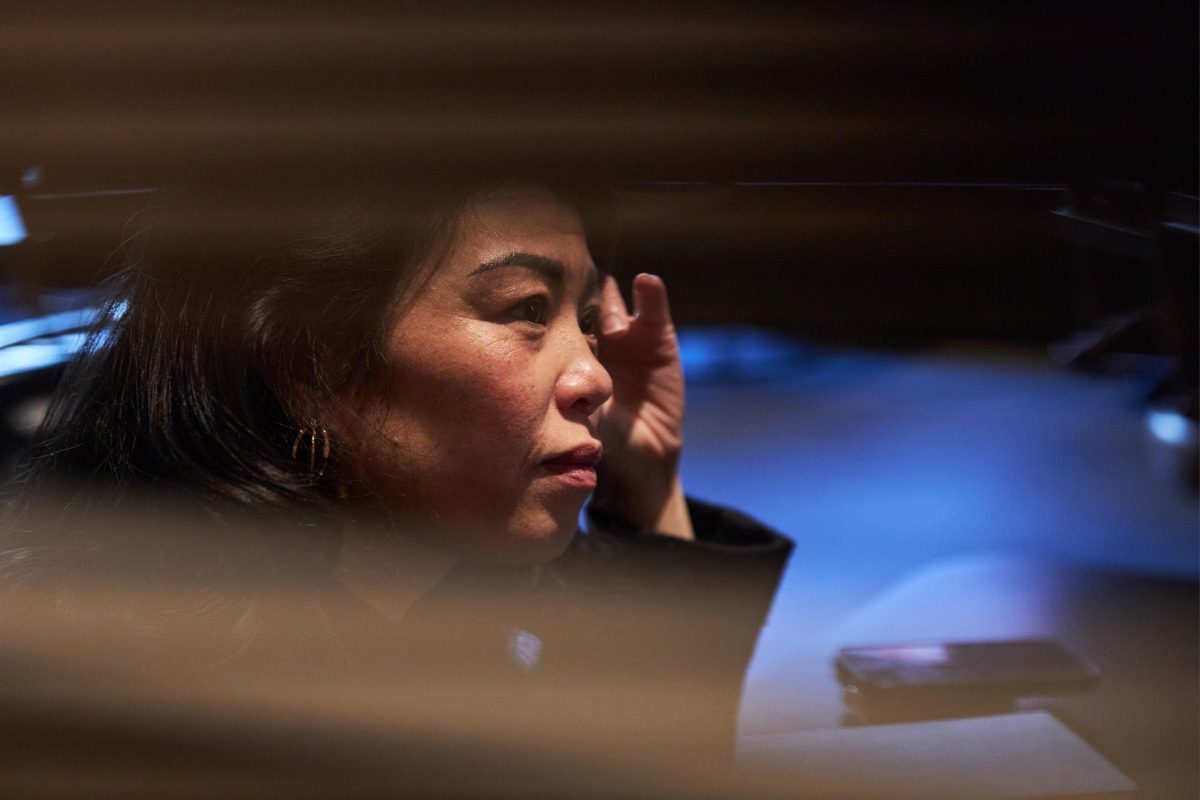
<point x="576" y="467"/>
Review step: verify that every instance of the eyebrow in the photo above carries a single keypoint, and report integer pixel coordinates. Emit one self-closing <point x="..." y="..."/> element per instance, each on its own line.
<point x="549" y="268"/>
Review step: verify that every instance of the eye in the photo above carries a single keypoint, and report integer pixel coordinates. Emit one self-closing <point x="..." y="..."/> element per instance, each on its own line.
<point x="589" y="323"/>
<point x="531" y="309"/>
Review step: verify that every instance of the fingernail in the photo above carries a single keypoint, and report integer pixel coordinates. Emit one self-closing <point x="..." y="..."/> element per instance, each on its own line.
<point x="611" y="323"/>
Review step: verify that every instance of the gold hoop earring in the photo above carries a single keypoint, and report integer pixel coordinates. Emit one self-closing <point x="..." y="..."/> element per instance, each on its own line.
<point x="315" y="439"/>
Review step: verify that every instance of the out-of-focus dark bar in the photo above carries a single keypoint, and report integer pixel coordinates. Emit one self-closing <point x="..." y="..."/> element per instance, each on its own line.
<point x="1045" y="93"/>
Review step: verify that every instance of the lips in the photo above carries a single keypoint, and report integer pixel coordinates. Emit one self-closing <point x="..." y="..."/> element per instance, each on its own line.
<point x="576" y="467"/>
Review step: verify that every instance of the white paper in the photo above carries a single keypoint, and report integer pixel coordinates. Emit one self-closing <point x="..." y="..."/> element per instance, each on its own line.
<point x="1005" y="756"/>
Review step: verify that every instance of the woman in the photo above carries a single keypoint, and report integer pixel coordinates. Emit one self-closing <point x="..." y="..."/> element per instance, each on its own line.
<point x="435" y="385"/>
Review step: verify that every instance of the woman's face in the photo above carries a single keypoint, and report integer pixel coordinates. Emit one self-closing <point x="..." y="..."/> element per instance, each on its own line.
<point x="489" y="431"/>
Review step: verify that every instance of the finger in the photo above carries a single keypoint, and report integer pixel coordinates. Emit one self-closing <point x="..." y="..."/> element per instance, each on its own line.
<point x="614" y="316"/>
<point x="650" y="300"/>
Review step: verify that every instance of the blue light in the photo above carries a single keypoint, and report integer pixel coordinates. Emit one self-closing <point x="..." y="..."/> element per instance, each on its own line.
<point x="16" y="332"/>
<point x="735" y="353"/>
<point x="40" y="354"/>
<point x="12" y="227"/>
<point x="1170" y="427"/>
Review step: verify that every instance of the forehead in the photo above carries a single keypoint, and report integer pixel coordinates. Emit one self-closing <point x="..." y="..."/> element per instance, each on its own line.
<point x="520" y="218"/>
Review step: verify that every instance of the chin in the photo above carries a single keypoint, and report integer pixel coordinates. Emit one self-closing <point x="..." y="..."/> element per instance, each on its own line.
<point x="540" y="547"/>
<point x="538" y="538"/>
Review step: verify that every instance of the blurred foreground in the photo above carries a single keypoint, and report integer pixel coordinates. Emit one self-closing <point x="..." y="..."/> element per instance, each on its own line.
<point x="155" y="652"/>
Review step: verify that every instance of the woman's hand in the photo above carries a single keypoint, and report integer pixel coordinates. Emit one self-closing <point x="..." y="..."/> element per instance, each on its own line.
<point x="641" y="426"/>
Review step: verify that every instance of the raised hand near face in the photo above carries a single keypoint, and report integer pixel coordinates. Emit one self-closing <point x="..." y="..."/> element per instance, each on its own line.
<point x="641" y="425"/>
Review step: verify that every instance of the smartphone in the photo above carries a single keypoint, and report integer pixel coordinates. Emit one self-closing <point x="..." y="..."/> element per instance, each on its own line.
<point x="930" y="680"/>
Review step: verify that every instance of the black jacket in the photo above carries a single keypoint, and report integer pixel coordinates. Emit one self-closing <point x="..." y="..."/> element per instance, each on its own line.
<point x="620" y="662"/>
<point x="630" y="641"/>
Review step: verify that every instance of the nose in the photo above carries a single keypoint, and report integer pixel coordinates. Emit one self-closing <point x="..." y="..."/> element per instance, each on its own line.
<point x="584" y="384"/>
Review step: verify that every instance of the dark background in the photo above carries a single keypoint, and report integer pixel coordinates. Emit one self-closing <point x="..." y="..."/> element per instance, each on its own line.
<point x="1028" y="92"/>
<point x="992" y="108"/>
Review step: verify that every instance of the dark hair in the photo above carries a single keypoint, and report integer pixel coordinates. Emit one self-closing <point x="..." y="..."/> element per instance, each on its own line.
<point x="235" y="312"/>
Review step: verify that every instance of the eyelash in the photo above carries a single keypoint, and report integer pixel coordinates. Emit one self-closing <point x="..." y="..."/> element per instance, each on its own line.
<point x="589" y="323"/>
<point x="535" y="305"/>
<point x="532" y="310"/>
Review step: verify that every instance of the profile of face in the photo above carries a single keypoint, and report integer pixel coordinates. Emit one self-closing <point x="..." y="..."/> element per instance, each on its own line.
<point x="487" y="431"/>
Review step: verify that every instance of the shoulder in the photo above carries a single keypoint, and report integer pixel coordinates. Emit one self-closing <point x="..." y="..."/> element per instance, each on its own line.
<point x="732" y="555"/>
<point x="720" y="533"/>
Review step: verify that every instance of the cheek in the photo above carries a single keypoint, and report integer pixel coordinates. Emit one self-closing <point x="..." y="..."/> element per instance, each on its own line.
<point x="490" y="385"/>
<point x="468" y="404"/>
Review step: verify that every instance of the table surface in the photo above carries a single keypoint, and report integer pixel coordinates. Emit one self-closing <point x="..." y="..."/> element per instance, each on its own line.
<point x="1141" y="632"/>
